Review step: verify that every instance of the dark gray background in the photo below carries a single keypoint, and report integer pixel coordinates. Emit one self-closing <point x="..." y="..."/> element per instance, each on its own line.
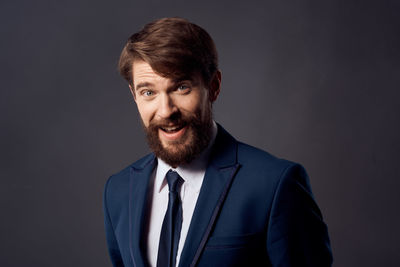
<point x="312" y="81"/>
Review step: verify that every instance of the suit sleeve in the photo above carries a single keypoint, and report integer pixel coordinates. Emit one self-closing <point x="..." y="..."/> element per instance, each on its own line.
<point x="112" y="243"/>
<point x="297" y="235"/>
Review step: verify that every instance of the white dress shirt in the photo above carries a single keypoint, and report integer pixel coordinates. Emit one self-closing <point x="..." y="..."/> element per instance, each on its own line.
<point x="193" y="175"/>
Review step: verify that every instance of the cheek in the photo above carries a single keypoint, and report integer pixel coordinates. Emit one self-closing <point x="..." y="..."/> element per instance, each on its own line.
<point x="204" y="105"/>
<point x="145" y="113"/>
<point x="197" y="103"/>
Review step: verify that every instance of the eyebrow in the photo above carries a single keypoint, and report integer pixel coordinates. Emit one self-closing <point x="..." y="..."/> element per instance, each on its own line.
<point x="174" y="82"/>
<point x="192" y="81"/>
<point x="144" y="84"/>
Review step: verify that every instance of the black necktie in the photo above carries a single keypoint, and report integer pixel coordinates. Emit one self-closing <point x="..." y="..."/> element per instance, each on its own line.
<point x="171" y="228"/>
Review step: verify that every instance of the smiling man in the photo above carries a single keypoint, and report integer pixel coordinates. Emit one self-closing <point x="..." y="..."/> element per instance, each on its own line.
<point x="176" y="113"/>
<point x="202" y="198"/>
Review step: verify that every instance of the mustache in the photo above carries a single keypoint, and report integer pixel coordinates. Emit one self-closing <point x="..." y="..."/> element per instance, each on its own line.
<point x="166" y="123"/>
<point x="178" y="120"/>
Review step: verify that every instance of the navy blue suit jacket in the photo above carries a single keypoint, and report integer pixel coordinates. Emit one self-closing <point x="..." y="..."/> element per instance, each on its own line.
<point x="253" y="210"/>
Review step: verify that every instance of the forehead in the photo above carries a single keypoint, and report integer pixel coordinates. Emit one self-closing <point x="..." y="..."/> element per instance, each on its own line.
<point x="143" y="72"/>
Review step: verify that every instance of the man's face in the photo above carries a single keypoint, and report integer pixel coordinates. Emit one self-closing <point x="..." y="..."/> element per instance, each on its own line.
<point x="176" y="114"/>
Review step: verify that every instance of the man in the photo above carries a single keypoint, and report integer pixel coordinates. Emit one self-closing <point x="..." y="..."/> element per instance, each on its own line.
<point x="202" y="198"/>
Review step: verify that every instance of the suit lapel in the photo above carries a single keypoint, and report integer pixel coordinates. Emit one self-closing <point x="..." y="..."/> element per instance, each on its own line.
<point x="217" y="180"/>
<point x="138" y="192"/>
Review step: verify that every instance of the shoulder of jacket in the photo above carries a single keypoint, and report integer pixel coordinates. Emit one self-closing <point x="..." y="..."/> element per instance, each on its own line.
<point x="248" y="154"/>
<point x="124" y="174"/>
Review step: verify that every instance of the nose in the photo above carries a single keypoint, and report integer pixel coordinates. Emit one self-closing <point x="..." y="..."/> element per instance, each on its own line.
<point x="166" y="107"/>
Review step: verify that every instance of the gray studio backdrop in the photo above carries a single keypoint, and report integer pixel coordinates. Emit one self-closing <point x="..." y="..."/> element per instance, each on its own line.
<point x="312" y="81"/>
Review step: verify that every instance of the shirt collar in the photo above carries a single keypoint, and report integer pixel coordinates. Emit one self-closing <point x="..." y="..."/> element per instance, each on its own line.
<point x="191" y="173"/>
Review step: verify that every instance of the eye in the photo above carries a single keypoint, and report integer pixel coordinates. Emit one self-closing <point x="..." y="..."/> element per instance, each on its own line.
<point x="147" y="93"/>
<point x="183" y="88"/>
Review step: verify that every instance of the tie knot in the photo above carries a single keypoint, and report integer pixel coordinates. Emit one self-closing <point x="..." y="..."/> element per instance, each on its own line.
<point x="174" y="181"/>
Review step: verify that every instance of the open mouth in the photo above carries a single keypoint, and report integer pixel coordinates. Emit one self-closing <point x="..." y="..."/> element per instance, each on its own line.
<point x="172" y="133"/>
<point x="172" y="129"/>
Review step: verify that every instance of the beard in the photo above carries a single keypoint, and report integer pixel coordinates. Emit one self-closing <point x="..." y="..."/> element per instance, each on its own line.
<point x="196" y="138"/>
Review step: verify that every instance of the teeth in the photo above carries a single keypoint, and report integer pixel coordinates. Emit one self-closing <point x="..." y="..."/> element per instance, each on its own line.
<point x="170" y="129"/>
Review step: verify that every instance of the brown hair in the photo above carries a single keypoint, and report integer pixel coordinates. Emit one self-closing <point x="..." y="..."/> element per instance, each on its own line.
<point x="174" y="48"/>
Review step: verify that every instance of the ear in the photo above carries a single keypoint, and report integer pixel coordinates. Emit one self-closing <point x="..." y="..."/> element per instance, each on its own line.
<point x="215" y="86"/>
<point x="132" y="92"/>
